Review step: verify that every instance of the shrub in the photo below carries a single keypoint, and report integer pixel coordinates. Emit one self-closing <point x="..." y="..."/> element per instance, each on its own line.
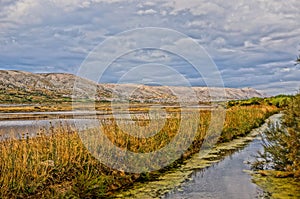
<point x="282" y="142"/>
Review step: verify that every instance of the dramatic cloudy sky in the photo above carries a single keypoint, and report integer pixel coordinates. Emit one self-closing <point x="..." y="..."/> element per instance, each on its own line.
<point x="253" y="43"/>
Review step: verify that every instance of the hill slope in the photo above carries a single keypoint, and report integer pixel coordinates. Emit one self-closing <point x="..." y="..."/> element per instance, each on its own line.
<point x="20" y="86"/>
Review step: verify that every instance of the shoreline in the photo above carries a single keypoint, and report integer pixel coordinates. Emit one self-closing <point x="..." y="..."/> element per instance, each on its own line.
<point x="173" y="178"/>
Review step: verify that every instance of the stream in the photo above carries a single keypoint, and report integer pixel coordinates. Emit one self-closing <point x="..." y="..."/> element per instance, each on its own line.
<point x="223" y="173"/>
<point x="226" y="179"/>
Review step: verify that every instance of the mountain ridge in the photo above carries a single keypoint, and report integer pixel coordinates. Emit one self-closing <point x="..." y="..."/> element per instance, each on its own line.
<point x="20" y="85"/>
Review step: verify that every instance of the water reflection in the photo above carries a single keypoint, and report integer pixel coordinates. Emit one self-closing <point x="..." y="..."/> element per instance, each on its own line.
<point x="20" y="125"/>
<point x="226" y="179"/>
<point x="29" y="128"/>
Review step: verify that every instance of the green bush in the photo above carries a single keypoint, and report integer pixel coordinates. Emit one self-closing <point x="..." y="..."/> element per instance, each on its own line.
<point x="282" y="142"/>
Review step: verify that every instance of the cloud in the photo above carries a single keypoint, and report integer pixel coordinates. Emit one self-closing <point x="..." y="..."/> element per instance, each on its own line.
<point x="146" y="12"/>
<point x="283" y="87"/>
<point x="252" y="42"/>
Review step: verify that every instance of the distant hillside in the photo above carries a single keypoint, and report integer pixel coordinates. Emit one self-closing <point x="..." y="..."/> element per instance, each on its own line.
<point x="19" y="86"/>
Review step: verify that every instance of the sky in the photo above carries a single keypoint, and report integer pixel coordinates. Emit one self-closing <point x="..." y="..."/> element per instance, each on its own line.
<point x="252" y="43"/>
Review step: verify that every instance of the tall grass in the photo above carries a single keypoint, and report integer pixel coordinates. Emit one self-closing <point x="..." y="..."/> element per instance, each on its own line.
<point x="32" y="166"/>
<point x="241" y="119"/>
<point x="59" y="165"/>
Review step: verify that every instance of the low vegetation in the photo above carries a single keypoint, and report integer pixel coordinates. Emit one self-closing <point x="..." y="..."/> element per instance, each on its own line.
<point x="282" y="143"/>
<point x="280" y="101"/>
<point x="19" y="96"/>
<point x="57" y="164"/>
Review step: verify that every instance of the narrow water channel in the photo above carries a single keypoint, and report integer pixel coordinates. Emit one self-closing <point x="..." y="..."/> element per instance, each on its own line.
<point x="226" y="179"/>
<point x="217" y="176"/>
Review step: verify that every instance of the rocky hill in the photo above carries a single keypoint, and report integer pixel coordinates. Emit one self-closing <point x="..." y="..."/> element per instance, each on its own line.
<point x="20" y="86"/>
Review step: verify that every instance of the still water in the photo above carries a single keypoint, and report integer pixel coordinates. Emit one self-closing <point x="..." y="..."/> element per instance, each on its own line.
<point x="29" y="128"/>
<point x="226" y="179"/>
<point x="18" y="125"/>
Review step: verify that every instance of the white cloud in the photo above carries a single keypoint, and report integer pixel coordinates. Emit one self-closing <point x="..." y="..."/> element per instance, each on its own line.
<point x="146" y="4"/>
<point x="146" y="12"/>
<point x="238" y="34"/>
<point x="248" y="44"/>
<point x="273" y="88"/>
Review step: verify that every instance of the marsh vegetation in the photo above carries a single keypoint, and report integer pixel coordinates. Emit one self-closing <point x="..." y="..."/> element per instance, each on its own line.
<point x="282" y="143"/>
<point x="279" y="163"/>
<point x="57" y="164"/>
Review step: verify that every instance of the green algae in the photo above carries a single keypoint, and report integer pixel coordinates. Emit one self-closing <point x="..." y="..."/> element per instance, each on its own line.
<point x="278" y="188"/>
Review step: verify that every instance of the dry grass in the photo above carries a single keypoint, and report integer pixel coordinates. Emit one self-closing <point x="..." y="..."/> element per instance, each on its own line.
<point x="241" y="119"/>
<point x="69" y="106"/>
<point x="59" y="165"/>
